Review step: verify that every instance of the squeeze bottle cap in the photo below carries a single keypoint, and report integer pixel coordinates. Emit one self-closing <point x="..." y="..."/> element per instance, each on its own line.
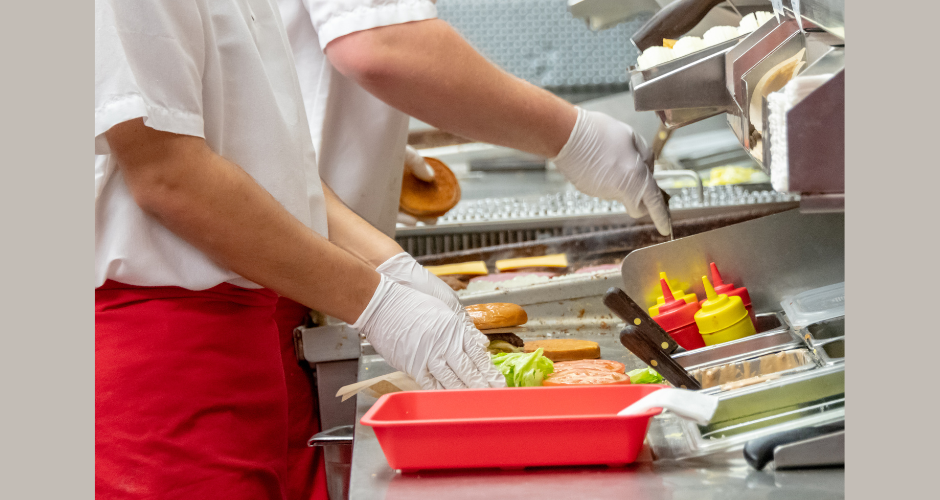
<point x="718" y="311"/>
<point x="728" y="288"/>
<point x="670" y="302"/>
<point x="716" y="277"/>
<point x="674" y="313"/>
<point x="689" y="298"/>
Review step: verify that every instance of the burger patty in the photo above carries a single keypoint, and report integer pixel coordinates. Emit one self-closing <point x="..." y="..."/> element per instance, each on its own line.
<point x="511" y="338"/>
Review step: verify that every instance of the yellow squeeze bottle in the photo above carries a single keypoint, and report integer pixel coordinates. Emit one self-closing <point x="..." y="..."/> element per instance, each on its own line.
<point x="722" y="318"/>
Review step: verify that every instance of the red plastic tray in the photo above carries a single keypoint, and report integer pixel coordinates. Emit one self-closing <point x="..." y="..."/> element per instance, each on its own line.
<point x="510" y="428"/>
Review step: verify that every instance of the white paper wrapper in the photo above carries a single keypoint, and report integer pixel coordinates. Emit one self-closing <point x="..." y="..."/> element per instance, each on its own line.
<point x="778" y="103"/>
<point x="379" y="386"/>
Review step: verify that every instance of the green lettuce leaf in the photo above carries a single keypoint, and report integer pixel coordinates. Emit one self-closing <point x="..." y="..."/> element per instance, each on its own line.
<point x="645" y="376"/>
<point x="523" y="370"/>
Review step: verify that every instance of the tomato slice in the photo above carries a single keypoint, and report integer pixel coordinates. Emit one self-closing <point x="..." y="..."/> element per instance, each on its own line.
<point x="592" y="364"/>
<point x="585" y="376"/>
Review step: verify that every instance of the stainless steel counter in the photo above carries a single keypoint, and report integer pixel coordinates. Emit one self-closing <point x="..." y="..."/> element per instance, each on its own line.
<point x="720" y="477"/>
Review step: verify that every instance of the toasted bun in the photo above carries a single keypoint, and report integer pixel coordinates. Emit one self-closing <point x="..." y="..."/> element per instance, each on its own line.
<point x="565" y="349"/>
<point x="429" y="199"/>
<point x="497" y="315"/>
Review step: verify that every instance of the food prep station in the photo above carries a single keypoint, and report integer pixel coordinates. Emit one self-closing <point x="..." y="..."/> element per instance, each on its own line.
<point x="680" y="458"/>
<point x="779" y="246"/>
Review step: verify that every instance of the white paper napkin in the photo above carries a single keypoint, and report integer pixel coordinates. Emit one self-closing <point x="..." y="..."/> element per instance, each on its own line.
<point x="687" y="404"/>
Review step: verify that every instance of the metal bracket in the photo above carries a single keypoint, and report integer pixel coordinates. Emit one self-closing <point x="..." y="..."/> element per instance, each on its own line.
<point x="320" y="344"/>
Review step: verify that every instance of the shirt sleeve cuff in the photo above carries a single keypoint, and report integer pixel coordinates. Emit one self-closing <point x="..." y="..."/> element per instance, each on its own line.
<point x="364" y="18"/>
<point x="156" y="117"/>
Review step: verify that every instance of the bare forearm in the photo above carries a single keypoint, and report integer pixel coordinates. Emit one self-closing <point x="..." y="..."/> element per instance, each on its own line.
<point x="427" y="70"/>
<point x="218" y="208"/>
<point x="353" y="234"/>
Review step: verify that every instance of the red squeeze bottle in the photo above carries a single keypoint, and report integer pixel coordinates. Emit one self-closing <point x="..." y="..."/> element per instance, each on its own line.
<point x="678" y="319"/>
<point x="728" y="289"/>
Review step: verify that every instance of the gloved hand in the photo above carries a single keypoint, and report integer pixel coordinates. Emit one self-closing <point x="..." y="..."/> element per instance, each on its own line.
<point x="416" y="164"/>
<point x="604" y="158"/>
<point x="411" y="220"/>
<point x="404" y="270"/>
<point x="423" y="337"/>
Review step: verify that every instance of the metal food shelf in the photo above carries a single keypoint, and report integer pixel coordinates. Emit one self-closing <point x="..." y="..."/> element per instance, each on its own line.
<point x="477" y="224"/>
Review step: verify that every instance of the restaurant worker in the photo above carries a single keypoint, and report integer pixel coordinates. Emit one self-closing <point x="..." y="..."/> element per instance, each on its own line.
<point x="364" y="66"/>
<point x="207" y="207"/>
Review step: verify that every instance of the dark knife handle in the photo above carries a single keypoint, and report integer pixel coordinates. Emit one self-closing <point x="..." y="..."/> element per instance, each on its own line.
<point x="672" y="21"/>
<point x="628" y="310"/>
<point x="653" y="355"/>
<point x="759" y="452"/>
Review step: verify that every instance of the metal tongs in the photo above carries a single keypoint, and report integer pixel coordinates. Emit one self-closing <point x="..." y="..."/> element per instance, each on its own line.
<point x="662" y="135"/>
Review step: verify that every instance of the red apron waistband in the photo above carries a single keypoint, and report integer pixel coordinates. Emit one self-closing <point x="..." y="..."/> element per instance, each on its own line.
<point x="113" y="293"/>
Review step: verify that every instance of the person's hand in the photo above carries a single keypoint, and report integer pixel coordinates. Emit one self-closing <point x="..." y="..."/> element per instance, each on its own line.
<point x="404" y="270"/>
<point x="415" y="163"/>
<point x="604" y="158"/>
<point x="423" y="337"/>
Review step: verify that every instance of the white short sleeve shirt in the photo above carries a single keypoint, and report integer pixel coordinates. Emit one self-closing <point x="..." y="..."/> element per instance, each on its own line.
<point x="359" y="140"/>
<point x="217" y="69"/>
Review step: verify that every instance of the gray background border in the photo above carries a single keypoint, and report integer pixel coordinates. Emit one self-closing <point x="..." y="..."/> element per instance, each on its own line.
<point x="47" y="322"/>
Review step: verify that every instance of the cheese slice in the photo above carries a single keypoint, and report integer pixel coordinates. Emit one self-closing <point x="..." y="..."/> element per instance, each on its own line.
<point x="477" y="268"/>
<point x="556" y="260"/>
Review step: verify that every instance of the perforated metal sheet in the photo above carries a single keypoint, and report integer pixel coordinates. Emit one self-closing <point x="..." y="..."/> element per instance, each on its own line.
<point x="541" y="42"/>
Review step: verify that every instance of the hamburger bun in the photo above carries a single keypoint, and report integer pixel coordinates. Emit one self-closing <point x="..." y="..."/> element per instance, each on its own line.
<point x="565" y="349"/>
<point x="429" y="199"/>
<point x="496" y="315"/>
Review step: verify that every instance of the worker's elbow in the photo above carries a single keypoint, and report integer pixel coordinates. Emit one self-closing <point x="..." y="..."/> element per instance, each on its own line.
<point x="358" y="56"/>
<point x="156" y="193"/>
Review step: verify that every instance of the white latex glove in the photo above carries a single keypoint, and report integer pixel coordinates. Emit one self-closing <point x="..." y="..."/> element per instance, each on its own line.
<point x="416" y="164"/>
<point x="411" y="220"/>
<point x="604" y="158"/>
<point x="423" y="337"/>
<point x="405" y="270"/>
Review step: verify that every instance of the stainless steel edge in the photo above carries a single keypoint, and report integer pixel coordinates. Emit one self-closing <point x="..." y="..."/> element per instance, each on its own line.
<point x="329" y="343"/>
<point x="773" y="256"/>
<point x="820" y="451"/>
<point x="587" y="220"/>
<point x="698" y="84"/>
<point x="713" y="477"/>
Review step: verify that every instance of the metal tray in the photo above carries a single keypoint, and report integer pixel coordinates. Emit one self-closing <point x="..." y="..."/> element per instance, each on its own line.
<point x="773" y="335"/>
<point x="813" y="397"/>
<point x="752" y="367"/>
<point x="832" y="352"/>
<point x="826" y="330"/>
<point x="686" y="89"/>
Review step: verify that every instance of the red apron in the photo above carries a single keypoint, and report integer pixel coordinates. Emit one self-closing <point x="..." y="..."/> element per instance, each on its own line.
<point x="306" y="472"/>
<point x="190" y="398"/>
